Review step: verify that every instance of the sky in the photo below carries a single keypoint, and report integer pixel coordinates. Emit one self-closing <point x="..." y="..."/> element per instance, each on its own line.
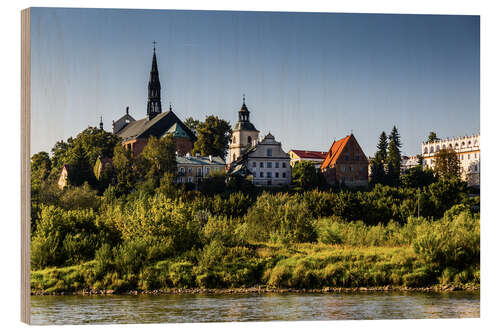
<point x="309" y="78"/>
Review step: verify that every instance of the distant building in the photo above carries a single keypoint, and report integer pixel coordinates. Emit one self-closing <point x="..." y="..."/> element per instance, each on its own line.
<point x="317" y="157"/>
<point x="265" y="162"/>
<point x="63" y="179"/>
<point x="408" y="162"/>
<point x="192" y="169"/>
<point x="467" y="148"/>
<point x="135" y="133"/>
<point x="346" y="163"/>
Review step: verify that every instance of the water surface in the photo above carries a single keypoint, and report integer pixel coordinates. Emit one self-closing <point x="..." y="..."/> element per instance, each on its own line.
<point x="126" y="309"/>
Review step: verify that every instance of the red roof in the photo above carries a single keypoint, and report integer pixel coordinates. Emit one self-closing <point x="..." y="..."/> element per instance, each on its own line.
<point x="334" y="152"/>
<point x="310" y="154"/>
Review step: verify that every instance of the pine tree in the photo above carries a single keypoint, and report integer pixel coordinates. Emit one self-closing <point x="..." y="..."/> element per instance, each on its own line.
<point x="382" y="146"/>
<point x="394" y="158"/>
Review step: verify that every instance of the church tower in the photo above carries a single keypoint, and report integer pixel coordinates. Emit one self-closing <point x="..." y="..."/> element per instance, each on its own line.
<point x="154" y="87"/>
<point x="245" y="135"/>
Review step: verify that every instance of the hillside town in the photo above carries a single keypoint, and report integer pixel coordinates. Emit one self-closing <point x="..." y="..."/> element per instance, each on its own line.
<point x="261" y="158"/>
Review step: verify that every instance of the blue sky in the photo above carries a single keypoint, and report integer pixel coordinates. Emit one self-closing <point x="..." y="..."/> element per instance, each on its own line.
<point x="309" y="78"/>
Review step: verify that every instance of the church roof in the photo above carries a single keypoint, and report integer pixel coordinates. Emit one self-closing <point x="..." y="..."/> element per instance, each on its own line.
<point x="244" y="126"/>
<point x="177" y="131"/>
<point x="144" y="128"/>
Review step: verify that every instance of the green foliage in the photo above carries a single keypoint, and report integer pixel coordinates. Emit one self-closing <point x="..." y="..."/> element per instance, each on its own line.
<point x="306" y="176"/>
<point x="158" y="158"/>
<point x="192" y="124"/>
<point x="126" y="173"/>
<point x="213" y="137"/>
<point x="432" y="137"/>
<point x="382" y="146"/>
<point x="214" y="183"/>
<point x="417" y="177"/>
<point x="447" y="164"/>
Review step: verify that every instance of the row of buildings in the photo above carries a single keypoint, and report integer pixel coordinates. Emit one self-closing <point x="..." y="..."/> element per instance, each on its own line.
<point x="262" y="159"/>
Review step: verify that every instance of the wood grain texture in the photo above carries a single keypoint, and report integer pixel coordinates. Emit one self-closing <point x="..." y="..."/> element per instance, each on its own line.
<point x="25" y="165"/>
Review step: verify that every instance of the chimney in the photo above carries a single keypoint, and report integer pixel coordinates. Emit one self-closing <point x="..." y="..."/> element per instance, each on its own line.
<point x="126" y="110"/>
<point x="210" y="158"/>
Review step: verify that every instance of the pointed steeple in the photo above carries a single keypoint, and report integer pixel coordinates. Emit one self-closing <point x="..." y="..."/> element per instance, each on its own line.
<point x="244" y="114"/>
<point x="154" y="87"/>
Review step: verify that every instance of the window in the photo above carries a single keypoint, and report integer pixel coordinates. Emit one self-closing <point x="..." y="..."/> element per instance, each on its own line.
<point x="190" y="179"/>
<point x="261" y="175"/>
<point x="269" y="164"/>
<point x="425" y="150"/>
<point x="207" y="170"/>
<point x="277" y="165"/>
<point x="249" y="140"/>
<point x="343" y="168"/>
<point x="468" y="156"/>
<point x="351" y="169"/>
<point x="269" y="175"/>
<point x="284" y="174"/>
<point x="198" y="172"/>
<point x="261" y="164"/>
<point x="234" y="139"/>
<point x="284" y="165"/>
<point x="254" y="164"/>
<point x="475" y="167"/>
<point x="182" y="171"/>
<point x="269" y="152"/>
<point x="190" y="171"/>
<point x="462" y="157"/>
<point x="432" y="150"/>
<point x="277" y="175"/>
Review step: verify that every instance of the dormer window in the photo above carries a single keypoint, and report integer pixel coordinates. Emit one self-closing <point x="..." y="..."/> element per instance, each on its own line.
<point x="269" y="152"/>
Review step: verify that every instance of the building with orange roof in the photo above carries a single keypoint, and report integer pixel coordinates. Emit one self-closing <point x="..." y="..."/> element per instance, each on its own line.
<point x="345" y="163"/>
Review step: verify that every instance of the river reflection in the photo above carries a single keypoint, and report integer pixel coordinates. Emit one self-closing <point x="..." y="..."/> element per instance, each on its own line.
<point x="125" y="309"/>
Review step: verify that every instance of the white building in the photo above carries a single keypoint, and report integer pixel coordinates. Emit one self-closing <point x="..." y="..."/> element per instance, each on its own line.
<point x="408" y="162"/>
<point x="192" y="169"/>
<point x="467" y="148"/>
<point x="265" y="162"/>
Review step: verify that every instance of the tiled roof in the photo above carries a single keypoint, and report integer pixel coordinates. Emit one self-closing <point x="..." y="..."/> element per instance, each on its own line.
<point x="310" y="154"/>
<point x="200" y="160"/>
<point x="334" y="152"/>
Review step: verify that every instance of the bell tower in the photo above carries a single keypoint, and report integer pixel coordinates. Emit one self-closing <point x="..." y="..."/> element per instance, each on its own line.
<point x="245" y="135"/>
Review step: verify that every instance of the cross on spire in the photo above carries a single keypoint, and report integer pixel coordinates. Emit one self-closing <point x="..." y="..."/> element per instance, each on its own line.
<point x="154" y="45"/>
<point x="243" y="98"/>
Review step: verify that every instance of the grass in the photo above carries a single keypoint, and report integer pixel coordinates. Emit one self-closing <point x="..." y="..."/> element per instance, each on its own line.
<point x="296" y="266"/>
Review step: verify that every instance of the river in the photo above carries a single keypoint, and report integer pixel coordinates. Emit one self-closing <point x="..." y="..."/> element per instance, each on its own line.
<point x="126" y="309"/>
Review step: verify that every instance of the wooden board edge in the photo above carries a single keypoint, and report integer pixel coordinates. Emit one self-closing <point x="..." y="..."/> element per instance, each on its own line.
<point x="25" y="165"/>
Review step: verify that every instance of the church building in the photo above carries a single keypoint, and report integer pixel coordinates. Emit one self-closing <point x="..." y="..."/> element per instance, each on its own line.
<point x="135" y="133"/>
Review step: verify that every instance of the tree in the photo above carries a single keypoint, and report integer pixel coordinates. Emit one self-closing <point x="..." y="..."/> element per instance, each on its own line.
<point x="159" y="158"/>
<point x="394" y="136"/>
<point x="213" y="137"/>
<point x="123" y="163"/>
<point x="41" y="165"/>
<point x="378" y="175"/>
<point x="447" y="164"/>
<point x="192" y="124"/>
<point x="382" y="146"/>
<point x="432" y="137"/>
<point x="306" y="175"/>
<point x="80" y="170"/>
<point x="394" y="158"/>
<point x="417" y="177"/>
<point x="96" y="142"/>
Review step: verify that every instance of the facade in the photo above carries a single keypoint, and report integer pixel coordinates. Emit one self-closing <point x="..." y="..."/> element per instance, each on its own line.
<point x="265" y="163"/>
<point x="135" y="133"/>
<point x="346" y="163"/>
<point x="467" y="148"/>
<point x="317" y="157"/>
<point x="245" y="135"/>
<point x="192" y="169"/>
<point x="62" y="181"/>
<point x="408" y="162"/>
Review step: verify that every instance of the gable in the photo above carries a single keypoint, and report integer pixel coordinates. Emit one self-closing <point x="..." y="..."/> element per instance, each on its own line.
<point x="346" y="150"/>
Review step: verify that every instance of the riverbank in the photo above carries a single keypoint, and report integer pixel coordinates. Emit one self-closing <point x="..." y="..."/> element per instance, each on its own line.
<point x="262" y="290"/>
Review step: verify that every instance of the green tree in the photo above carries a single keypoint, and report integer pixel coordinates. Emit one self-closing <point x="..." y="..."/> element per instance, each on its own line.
<point x="96" y="142"/>
<point x="378" y="175"/>
<point x="447" y="164"/>
<point x="382" y="146"/>
<point x="394" y="158"/>
<point x="123" y="163"/>
<point x="432" y="137"/>
<point x="213" y="137"/>
<point x="192" y="124"/>
<point x="306" y="176"/>
<point x="417" y="177"/>
<point x="159" y="158"/>
<point x="80" y="170"/>
<point x="41" y="165"/>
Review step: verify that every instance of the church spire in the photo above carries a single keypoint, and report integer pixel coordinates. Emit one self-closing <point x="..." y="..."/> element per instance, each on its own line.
<point x="101" y="125"/>
<point x="154" y="87"/>
<point x="244" y="114"/>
